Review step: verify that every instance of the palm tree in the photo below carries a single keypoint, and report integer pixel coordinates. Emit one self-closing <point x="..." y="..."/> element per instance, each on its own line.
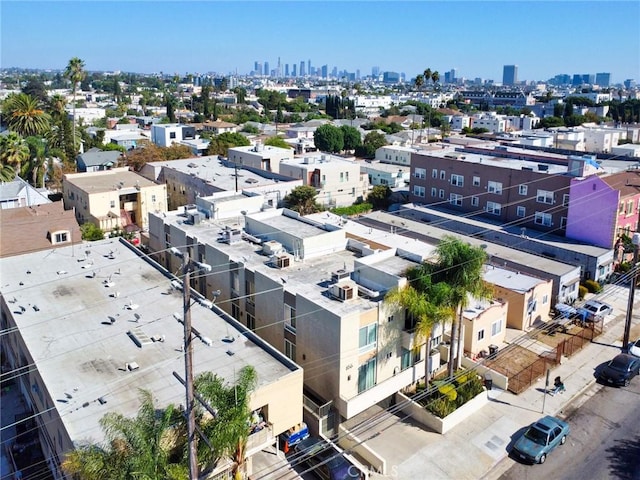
<point x="24" y="115"/>
<point x="427" y="75"/>
<point x="435" y="76"/>
<point x="13" y="151"/>
<point x="148" y="446"/>
<point x="460" y="265"/>
<point x="419" y="81"/>
<point x="35" y="170"/>
<point x="228" y="431"/>
<point x="75" y="72"/>
<point x="7" y="173"/>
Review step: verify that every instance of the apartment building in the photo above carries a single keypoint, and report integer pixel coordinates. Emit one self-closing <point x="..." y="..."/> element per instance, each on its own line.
<point x="264" y="157"/>
<point x="93" y="327"/>
<point x="386" y="174"/>
<point x="504" y="184"/>
<point x="165" y="135"/>
<point x="394" y="154"/>
<point x="338" y="180"/>
<point x="113" y="199"/>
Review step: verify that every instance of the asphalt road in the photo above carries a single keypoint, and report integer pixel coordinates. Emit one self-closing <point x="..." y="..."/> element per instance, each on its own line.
<point x="604" y="442"/>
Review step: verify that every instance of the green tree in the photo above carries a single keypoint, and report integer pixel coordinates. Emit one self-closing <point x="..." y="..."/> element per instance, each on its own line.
<point x="302" y="199"/>
<point x="170" y="104"/>
<point x="13" y="151"/>
<point x="460" y="265"/>
<point x="75" y="73"/>
<point x="36" y="88"/>
<point x="228" y="431"/>
<point x="91" y="232"/>
<point x="419" y="81"/>
<point x="35" y="168"/>
<point x="379" y="196"/>
<point x="435" y="77"/>
<point x="251" y="129"/>
<point x="427" y="75"/>
<point x="220" y="144"/>
<point x="352" y="138"/>
<point x="276" y="142"/>
<point x="329" y="138"/>
<point x="7" y="173"/>
<point x="372" y="142"/>
<point x="241" y="94"/>
<point x="24" y="115"/>
<point x="150" y="445"/>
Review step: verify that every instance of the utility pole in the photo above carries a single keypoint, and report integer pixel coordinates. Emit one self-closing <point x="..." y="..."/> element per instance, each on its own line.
<point x="632" y="288"/>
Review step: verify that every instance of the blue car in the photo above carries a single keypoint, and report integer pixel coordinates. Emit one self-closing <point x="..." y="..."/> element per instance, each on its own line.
<point x="540" y="438"/>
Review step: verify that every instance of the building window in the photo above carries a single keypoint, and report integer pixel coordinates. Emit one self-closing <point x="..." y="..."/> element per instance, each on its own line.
<point x="112" y="204"/>
<point x="249" y="290"/>
<point x="496" y="328"/>
<point x="455" y="199"/>
<point x="494" y="187"/>
<point x="251" y="322"/>
<point x="59" y="237"/>
<point x="629" y="207"/>
<point x="346" y="176"/>
<point x="542" y="218"/>
<point x="522" y="189"/>
<point x="367" y="375"/>
<point x="290" y="349"/>
<point x="367" y="337"/>
<point x="434" y="173"/>
<point x="441" y="193"/>
<point x="494" y="208"/>
<point x="405" y="360"/>
<point x="476" y="181"/>
<point x="153" y="198"/>
<point x="563" y="223"/>
<point x="172" y="134"/>
<point x="480" y="334"/>
<point x="290" y="318"/>
<point x="235" y="283"/>
<point x="443" y="174"/>
<point x="420" y="173"/>
<point x="457" y="180"/>
<point x="544" y="196"/>
<point x="342" y="176"/>
<point x="565" y="200"/>
<point x="418" y="191"/>
<point x="545" y="299"/>
<point x="475" y="201"/>
<point x="235" y="308"/>
<point x="434" y="192"/>
<point x="621" y="208"/>
<point x="521" y="211"/>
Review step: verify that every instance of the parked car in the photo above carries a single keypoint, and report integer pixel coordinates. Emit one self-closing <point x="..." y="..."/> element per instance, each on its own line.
<point x="620" y="370"/>
<point x="634" y="348"/>
<point x="593" y="309"/>
<point x="327" y="462"/>
<point x="540" y="438"/>
<point x="563" y="310"/>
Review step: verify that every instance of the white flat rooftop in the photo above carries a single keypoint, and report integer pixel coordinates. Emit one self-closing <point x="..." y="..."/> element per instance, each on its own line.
<point x="83" y="329"/>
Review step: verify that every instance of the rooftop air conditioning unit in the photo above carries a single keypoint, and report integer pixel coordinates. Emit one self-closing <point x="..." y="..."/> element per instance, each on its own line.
<point x="194" y="218"/>
<point x="344" y="291"/>
<point x="339" y="275"/>
<point x="271" y="247"/>
<point x="283" y="260"/>
<point x="231" y="235"/>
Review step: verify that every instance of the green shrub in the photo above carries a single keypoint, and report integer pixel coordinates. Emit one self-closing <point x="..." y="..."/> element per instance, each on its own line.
<point x="441" y="407"/>
<point x="353" y="209"/>
<point x="582" y="291"/>
<point x="623" y="267"/>
<point x="592" y="286"/>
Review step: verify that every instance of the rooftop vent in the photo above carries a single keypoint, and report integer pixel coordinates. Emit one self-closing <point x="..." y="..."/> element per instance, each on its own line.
<point x="283" y="260"/>
<point x="339" y="275"/>
<point x="344" y="291"/>
<point x="271" y="247"/>
<point x="231" y="235"/>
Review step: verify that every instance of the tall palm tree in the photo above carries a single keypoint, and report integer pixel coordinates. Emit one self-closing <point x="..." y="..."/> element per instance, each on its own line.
<point x="427" y="75"/>
<point x="24" y="115"/>
<point x="435" y="77"/>
<point x="147" y="446"/>
<point x="7" y="173"/>
<point x="227" y="431"/>
<point x="13" y="151"/>
<point x="75" y="72"/>
<point x="460" y="265"/>
<point x="419" y="81"/>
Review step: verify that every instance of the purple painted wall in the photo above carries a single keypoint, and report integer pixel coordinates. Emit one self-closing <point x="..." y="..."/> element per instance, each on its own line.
<point x="592" y="213"/>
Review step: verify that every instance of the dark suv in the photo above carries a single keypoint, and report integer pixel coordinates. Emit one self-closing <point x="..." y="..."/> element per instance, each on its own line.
<point x="327" y="462"/>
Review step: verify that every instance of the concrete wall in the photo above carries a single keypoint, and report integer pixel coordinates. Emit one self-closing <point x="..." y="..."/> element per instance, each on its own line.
<point x="351" y="442"/>
<point x="499" y="380"/>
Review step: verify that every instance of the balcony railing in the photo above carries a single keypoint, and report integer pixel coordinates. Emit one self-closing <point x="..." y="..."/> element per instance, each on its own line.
<point x="260" y="439"/>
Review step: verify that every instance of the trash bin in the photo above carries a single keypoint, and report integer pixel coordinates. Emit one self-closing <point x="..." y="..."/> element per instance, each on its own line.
<point x="493" y="351"/>
<point x="488" y="381"/>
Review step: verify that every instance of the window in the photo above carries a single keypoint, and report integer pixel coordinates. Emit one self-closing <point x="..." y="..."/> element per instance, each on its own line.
<point x="235" y="309"/>
<point x="545" y="299"/>
<point x="418" y="191"/>
<point x="112" y="204"/>
<point x="563" y="223"/>
<point x="455" y="199"/>
<point x="621" y="208"/>
<point x="405" y="359"/>
<point x="367" y="337"/>
<point x="290" y="349"/>
<point x="172" y="134"/>
<point x="494" y="208"/>
<point x="346" y="176"/>
<point x="457" y="180"/>
<point x="235" y="283"/>
<point x="441" y="193"/>
<point x="565" y="200"/>
<point x="480" y="334"/>
<point x="153" y="198"/>
<point x="342" y="176"/>
<point x="251" y="322"/>
<point x="249" y="290"/>
<point x="390" y="318"/>
<point x="494" y="187"/>
<point x="475" y="201"/>
<point x="544" y="196"/>
<point x="60" y="237"/>
<point x="496" y="328"/>
<point x="367" y="375"/>
<point x="522" y="189"/>
<point x="434" y="173"/>
<point x="521" y="211"/>
<point x="434" y="192"/>
<point x="420" y="173"/>
<point x="629" y="207"/>
<point x="543" y="219"/>
<point x="290" y="318"/>
<point x="443" y="174"/>
<point x="476" y="181"/>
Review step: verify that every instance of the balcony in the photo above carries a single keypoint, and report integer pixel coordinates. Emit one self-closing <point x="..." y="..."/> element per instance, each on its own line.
<point x="260" y="439"/>
<point x="408" y="339"/>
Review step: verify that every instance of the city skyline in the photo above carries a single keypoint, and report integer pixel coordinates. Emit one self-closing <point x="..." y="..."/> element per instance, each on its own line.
<point x="476" y="38"/>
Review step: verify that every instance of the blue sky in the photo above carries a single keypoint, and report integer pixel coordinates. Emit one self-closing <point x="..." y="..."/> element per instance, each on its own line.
<point x="476" y="38"/>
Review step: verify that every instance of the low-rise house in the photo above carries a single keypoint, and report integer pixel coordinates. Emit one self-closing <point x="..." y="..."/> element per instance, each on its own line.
<point x="391" y="176"/>
<point x="165" y="135"/>
<point x="18" y="193"/>
<point x="219" y="127"/>
<point x="485" y="325"/>
<point x="264" y="157"/>
<point x="95" y="160"/>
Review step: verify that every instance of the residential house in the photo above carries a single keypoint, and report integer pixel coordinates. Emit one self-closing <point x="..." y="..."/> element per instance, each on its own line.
<point x="113" y="199"/>
<point x="264" y="157"/>
<point x="219" y="127"/>
<point x="18" y="193"/>
<point x="391" y="176"/>
<point x="395" y="154"/>
<point x="484" y="326"/>
<point x="165" y="135"/>
<point x="95" y="325"/>
<point x="46" y="226"/>
<point x="95" y="160"/>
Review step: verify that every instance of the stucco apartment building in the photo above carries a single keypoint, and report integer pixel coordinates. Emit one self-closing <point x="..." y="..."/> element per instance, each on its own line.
<point x="505" y="184"/>
<point x="264" y="157"/>
<point x="112" y="199"/>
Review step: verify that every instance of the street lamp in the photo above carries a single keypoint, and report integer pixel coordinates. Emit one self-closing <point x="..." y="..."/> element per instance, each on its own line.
<point x="634" y="278"/>
<point x="187" y="267"/>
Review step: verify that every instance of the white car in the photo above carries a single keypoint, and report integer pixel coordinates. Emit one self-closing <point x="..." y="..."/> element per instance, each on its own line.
<point x="592" y="310"/>
<point x="634" y="348"/>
